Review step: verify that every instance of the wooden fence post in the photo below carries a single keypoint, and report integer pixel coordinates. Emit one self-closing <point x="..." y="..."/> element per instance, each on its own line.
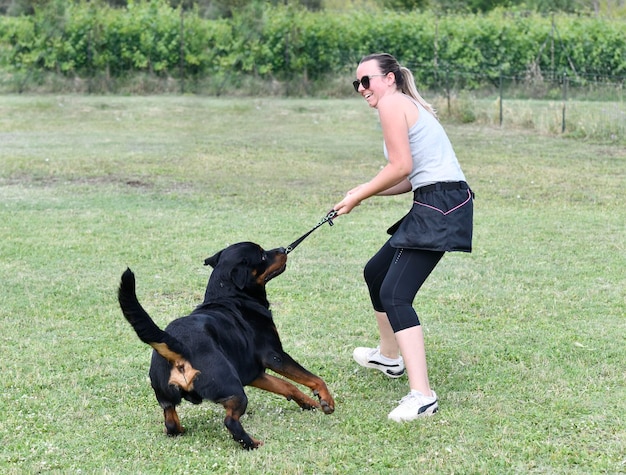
<point x="565" y="81"/>
<point x="501" y="97"/>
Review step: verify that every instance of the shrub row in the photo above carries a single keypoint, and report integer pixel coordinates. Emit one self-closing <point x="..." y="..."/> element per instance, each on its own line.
<point x="87" y="38"/>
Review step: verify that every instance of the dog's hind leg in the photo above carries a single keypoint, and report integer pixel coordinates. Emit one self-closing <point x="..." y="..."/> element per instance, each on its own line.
<point x="168" y="397"/>
<point x="235" y="408"/>
<point x="276" y="385"/>
<point x="172" y="422"/>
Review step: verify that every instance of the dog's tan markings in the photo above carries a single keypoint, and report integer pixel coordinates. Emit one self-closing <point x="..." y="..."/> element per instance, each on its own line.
<point x="172" y="422"/>
<point x="278" y="263"/>
<point x="182" y="373"/>
<point x="276" y="385"/>
<point x="293" y="371"/>
<point x="165" y="352"/>
<point x="234" y="411"/>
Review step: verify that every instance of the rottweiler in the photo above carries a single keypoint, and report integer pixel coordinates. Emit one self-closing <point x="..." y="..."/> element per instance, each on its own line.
<point x="226" y="343"/>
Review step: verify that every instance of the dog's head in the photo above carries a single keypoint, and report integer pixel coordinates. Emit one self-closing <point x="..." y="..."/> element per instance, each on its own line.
<point x="245" y="267"/>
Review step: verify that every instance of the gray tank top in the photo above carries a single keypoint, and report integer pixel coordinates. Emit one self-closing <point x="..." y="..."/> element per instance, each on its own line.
<point x="434" y="159"/>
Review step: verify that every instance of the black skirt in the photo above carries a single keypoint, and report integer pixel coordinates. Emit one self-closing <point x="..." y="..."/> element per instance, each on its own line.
<point x="441" y="219"/>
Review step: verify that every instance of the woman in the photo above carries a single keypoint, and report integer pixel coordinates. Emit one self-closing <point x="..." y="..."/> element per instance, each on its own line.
<point x="421" y="159"/>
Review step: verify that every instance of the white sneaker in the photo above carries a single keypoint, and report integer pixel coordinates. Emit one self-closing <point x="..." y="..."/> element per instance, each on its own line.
<point x="414" y="405"/>
<point x="372" y="358"/>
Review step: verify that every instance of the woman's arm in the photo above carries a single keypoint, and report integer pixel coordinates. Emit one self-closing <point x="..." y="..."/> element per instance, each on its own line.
<point x="403" y="187"/>
<point x="392" y="179"/>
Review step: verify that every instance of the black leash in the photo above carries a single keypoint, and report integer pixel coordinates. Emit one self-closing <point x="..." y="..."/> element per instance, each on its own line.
<point x="326" y="219"/>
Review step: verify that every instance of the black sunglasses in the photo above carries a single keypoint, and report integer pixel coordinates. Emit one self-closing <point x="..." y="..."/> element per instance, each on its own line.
<point x="365" y="81"/>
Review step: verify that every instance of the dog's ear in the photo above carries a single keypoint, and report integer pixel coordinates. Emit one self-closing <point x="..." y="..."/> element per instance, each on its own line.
<point x="239" y="276"/>
<point x="213" y="260"/>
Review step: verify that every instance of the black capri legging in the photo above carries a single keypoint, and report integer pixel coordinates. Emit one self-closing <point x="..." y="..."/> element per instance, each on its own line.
<point x="393" y="277"/>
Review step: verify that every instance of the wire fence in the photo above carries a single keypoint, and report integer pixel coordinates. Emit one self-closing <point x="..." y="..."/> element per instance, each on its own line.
<point x="552" y="102"/>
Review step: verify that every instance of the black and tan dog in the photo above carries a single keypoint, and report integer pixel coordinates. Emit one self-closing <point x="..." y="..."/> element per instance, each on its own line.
<point x="226" y="343"/>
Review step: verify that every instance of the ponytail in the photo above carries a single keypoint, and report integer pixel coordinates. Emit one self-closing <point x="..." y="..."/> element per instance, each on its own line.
<point x="407" y="86"/>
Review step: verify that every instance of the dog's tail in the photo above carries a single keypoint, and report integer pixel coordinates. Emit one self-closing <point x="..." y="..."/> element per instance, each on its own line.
<point x="183" y="374"/>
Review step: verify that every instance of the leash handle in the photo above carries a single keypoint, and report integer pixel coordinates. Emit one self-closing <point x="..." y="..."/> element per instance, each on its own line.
<point x="326" y="219"/>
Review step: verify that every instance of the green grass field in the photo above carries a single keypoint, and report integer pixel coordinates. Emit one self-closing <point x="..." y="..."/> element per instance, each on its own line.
<point x="526" y="336"/>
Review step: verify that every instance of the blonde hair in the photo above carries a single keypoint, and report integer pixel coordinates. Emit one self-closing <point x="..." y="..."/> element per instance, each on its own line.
<point x="404" y="77"/>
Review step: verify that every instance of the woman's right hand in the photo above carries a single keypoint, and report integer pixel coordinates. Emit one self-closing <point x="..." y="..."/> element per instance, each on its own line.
<point x="349" y="202"/>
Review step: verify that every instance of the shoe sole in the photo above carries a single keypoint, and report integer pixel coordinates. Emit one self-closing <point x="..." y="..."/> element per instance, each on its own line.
<point x="385" y="369"/>
<point x="429" y="411"/>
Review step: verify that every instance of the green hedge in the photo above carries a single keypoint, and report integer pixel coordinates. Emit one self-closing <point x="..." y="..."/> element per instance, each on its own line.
<point x="83" y="39"/>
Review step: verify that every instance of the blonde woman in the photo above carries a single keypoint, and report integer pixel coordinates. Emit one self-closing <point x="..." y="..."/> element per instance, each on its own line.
<point x="420" y="158"/>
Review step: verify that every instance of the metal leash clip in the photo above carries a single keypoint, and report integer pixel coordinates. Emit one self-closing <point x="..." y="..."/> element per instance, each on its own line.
<point x="332" y="214"/>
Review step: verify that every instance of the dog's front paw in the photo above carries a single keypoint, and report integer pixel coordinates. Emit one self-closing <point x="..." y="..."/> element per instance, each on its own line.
<point x="327" y="402"/>
<point x="327" y="408"/>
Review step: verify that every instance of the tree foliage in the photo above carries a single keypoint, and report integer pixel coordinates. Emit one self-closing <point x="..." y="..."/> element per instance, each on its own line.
<point x="285" y="42"/>
<point x="227" y="8"/>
